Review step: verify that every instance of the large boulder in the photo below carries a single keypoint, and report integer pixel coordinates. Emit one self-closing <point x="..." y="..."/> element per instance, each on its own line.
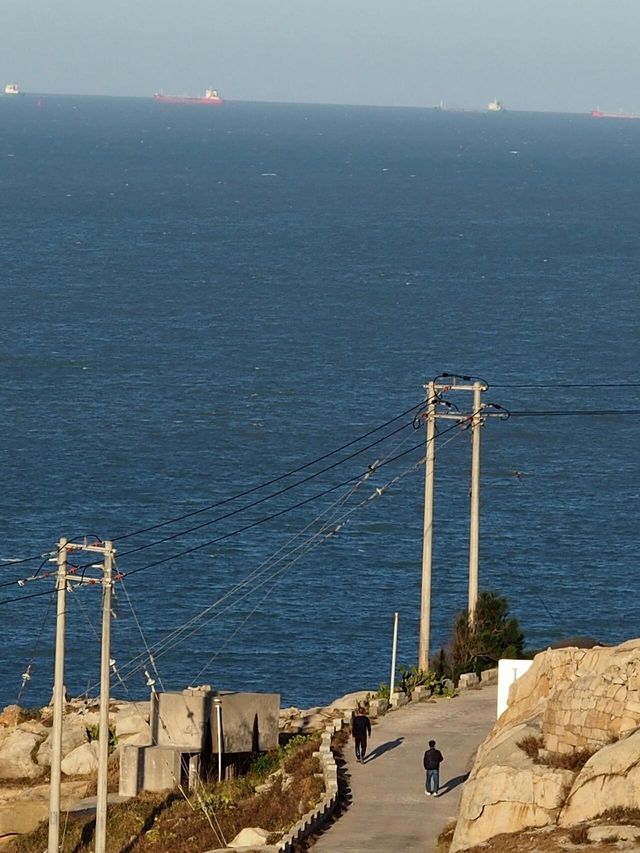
<point x="507" y="792"/>
<point x="81" y="761"/>
<point x="17" y="750"/>
<point x="132" y="724"/>
<point x="610" y="779"/>
<point x="74" y="734"/>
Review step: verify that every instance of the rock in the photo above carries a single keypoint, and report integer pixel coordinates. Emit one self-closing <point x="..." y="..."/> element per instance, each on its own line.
<point x="468" y="679"/>
<point x="619" y="832"/>
<point x="610" y="779"/>
<point x="22" y="809"/>
<point x="350" y="701"/>
<point x="489" y="676"/>
<point x="74" y="734"/>
<point x="81" y="761"/>
<point x="132" y="724"/>
<point x="11" y="716"/>
<point x="507" y="792"/>
<point x="17" y="749"/>
<point x="250" y="836"/>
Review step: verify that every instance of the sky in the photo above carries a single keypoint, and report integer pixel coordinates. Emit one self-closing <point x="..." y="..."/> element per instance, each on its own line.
<point x="555" y="55"/>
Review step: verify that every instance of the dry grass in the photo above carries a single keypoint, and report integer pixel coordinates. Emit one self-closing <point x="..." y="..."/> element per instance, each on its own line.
<point x="542" y="841"/>
<point x="534" y="747"/>
<point x="579" y="834"/>
<point x="620" y="815"/>
<point x="531" y="745"/>
<point x="445" y="838"/>
<point x="154" y="823"/>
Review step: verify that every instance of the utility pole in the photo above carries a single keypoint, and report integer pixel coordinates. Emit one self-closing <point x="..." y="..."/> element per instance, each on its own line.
<point x="58" y="701"/>
<point x="65" y="578"/>
<point x="427" y="554"/>
<point x="435" y="390"/>
<point x="105" y="668"/>
<point x="474" y="515"/>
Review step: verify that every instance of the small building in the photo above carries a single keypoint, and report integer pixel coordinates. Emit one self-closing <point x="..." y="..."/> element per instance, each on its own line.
<point x="187" y="742"/>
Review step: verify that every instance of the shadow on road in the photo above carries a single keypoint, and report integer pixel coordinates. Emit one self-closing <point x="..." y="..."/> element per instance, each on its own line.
<point x="453" y="783"/>
<point x="384" y="747"/>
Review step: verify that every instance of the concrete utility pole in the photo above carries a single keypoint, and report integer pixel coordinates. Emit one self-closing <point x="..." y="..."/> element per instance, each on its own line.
<point x="107" y="551"/>
<point x="474" y="516"/>
<point x="435" y="392"/>
<point x="58" y="701"/>
<point x="427" y="555"/>
<point x="105" y="669"/>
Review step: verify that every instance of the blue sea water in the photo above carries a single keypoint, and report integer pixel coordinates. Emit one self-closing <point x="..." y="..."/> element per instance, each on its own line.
<point x="197" y="300"/>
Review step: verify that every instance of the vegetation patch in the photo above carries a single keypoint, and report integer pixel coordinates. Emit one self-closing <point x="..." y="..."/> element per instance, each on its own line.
<point x="207" y="818"/>
<point x="534" y="747"/>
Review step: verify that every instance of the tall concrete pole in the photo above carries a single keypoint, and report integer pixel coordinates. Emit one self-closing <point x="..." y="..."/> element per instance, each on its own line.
<point x="58" y="701"/>
<point x="425" y="598"/>
<point x="394" y="649"/>
<point x="105" y="668"/>
<point x="474" y="527"/>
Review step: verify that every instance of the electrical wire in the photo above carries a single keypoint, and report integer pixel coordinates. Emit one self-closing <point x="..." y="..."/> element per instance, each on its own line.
<point x="274" y="479"/>
<point x="573" y="413"/>
<point x="180" y="634"/>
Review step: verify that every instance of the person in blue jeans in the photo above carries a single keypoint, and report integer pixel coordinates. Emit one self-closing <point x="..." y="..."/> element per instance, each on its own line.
<point x="432" y="761"/>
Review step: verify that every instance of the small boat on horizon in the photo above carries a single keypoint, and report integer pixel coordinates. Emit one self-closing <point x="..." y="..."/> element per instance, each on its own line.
<point x="12" y="89"/>
<point x="496" y="106"/>
<point x="211" y="97"/>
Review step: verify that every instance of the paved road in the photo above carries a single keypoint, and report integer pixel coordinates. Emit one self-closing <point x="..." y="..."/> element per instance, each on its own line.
<point x="390" y="811"/>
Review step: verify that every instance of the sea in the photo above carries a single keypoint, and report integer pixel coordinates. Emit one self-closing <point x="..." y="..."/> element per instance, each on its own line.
<point x="217" y="326"/>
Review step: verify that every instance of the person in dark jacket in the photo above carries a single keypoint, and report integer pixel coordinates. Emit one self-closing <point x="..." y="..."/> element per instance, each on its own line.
<point x="432" y="761"/>
<point x="360" y="728"/>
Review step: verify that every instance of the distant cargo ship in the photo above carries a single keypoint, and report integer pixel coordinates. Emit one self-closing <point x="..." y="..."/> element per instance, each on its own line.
<point x="496" y="106"/>
<point x="12" y="89"/>
<point x="211" y="96"/>
<point x="600" y="114"/>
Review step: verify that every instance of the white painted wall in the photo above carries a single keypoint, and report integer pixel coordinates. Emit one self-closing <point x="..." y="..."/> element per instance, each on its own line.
<point x="508" y="672"/>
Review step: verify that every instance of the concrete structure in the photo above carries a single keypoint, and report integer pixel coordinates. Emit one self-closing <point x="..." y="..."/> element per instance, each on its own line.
<point x="509" y="670"/>
<point x="184" y="735"/>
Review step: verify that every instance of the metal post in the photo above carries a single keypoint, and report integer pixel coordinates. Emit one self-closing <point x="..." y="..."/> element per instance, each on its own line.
<point x="394" y="648"/>
<point x="58" y="702"/>
<point x="103" y="743"/>
<point x="218" y="704"/>
<point x="474" y="527"/>
<point x="425" y="600"/>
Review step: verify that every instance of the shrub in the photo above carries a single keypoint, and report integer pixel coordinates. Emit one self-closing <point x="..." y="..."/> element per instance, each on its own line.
<point x="493" y="635"/>
<point x="531" y="745"/>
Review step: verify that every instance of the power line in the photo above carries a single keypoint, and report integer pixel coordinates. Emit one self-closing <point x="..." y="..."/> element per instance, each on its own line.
<point x="568" y="385"/>
<point x="524" y="413"/>
<point x="276" y="479"/>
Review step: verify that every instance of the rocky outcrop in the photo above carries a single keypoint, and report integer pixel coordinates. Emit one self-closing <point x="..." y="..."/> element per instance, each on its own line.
<point x="571" y="699"/>
<point x="81" y="761"/>
<point x="611" y="776"/>
<point x="17" y="751"/>
<point x="74" y="734"/>
<point x="22" y="809"/>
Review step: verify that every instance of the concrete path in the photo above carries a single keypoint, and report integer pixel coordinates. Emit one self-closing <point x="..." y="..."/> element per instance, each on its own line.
<point x="389" y="809"/>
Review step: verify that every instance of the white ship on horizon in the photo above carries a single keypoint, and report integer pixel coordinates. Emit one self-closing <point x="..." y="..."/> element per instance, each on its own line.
<point x="12" y="89"/>
<point x="496" y="106"/>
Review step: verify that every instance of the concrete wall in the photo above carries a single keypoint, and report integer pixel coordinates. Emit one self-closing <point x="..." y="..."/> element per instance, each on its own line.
<point x="249" y="722"/>
<point x="180" y="719"/>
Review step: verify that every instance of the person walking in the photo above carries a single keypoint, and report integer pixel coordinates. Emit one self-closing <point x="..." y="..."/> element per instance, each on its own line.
<point x="432" y="760"/>
<point x="360" y="728"/>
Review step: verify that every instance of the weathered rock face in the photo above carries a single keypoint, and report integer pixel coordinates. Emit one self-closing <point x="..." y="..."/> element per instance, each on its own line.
<point x="612" y="775"/>
<point x="507" y="792"/>
<point x="573" y="699"/>
<point x="22" y="809"/>
<point x="74" y="734"/>
<point x="81" y="761"/>
<point x="17" y="750"/>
